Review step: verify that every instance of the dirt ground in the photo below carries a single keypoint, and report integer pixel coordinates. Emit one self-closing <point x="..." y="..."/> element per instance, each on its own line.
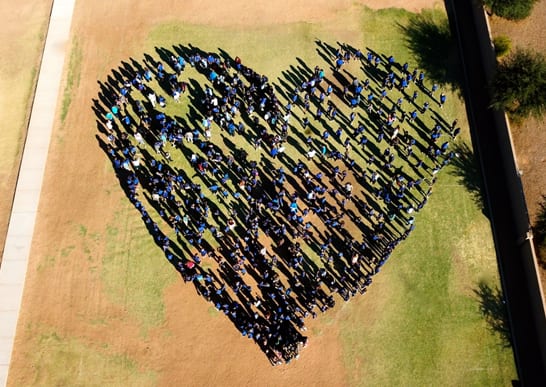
<point x="529" y="137"/>
<point x="73" y="293"/>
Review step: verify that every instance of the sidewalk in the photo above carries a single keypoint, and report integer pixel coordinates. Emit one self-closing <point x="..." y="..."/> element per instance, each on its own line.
<point x="29" y="183"/>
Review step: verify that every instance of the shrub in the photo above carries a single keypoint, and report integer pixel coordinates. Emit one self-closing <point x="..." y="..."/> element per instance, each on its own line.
<point x="510" y="9"/>
<point x="519" y="83"/>
<point x="502" y="44"/>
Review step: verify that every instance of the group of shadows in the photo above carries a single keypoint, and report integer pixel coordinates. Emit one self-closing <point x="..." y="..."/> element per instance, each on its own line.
<point x="272" y="208"/>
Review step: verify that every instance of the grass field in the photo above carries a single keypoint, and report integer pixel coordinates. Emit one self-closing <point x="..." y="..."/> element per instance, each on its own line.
<point x="422" y="321"/>
<point x="427" y="325"/>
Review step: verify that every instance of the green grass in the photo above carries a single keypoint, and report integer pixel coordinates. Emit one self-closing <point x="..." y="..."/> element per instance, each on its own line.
<point x="72" y="78"/>
<point x="427" y="328"/>
<point x="134" y="271"/>
<point x="63" y="361"/>
<point x="420" y="323"/>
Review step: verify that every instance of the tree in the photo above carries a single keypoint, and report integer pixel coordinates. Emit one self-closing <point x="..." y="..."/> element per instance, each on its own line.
<point x="519" y="84"/>
<point x="510" y="9"/>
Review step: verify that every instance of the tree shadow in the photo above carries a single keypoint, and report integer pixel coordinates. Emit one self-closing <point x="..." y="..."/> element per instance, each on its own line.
<point x="493" y="309"/>
<point x="429" y="38"/>
<point x="468" y="171"/>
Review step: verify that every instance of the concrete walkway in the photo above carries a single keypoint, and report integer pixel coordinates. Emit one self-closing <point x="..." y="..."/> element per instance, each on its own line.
<point x="29" y="183"/>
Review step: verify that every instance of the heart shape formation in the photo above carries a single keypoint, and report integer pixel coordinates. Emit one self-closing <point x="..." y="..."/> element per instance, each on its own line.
<point x="273" y="198"/>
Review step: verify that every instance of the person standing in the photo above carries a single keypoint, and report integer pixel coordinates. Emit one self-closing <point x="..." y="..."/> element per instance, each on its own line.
<point x="152" y="98"/>
<point x="442" y="100"/>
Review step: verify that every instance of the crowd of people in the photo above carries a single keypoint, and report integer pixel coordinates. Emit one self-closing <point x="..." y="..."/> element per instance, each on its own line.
<point x="323" y="184"/>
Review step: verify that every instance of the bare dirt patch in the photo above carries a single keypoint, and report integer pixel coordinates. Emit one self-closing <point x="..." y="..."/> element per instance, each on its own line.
<point x="529" y="136"/>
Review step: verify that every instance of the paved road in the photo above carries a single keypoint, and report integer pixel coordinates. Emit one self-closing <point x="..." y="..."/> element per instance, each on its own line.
<point x="29" y="182"/>
<point x="525" y="333"/>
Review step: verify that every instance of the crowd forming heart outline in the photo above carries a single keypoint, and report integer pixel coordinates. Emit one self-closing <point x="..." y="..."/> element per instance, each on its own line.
<point x="273" y="199"/>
